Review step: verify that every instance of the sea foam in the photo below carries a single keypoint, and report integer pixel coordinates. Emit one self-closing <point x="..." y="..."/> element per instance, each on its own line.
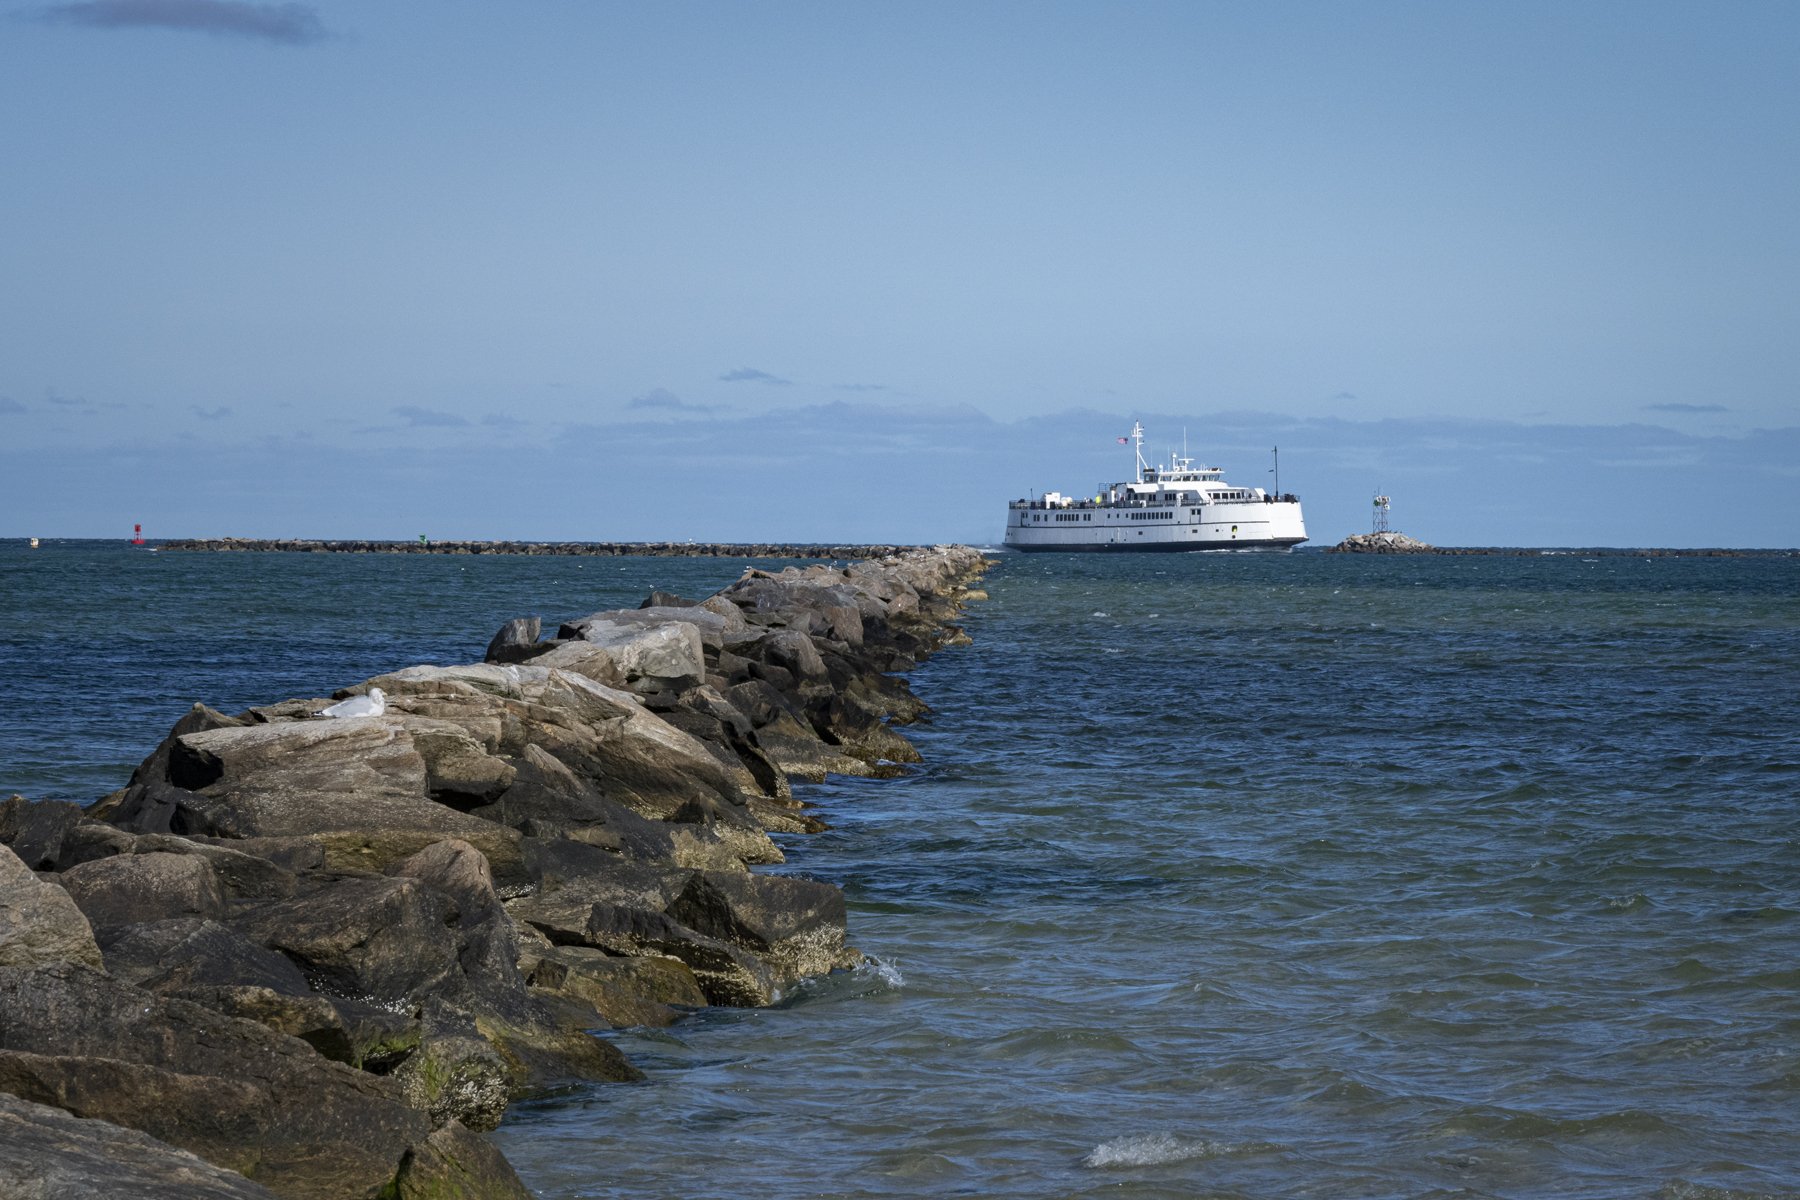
<point x="1151" y="1149"/>
<point x="886" y="972"/>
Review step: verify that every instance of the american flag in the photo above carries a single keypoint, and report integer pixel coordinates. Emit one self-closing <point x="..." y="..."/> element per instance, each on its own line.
<point x="1124" y="441"/>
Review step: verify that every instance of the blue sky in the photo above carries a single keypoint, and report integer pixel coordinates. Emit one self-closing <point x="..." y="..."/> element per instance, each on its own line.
<point x="865" y="272"/>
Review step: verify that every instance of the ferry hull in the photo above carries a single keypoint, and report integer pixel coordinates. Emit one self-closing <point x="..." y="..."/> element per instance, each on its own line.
<point x="1268" y="545"/>
<point x="1154" y="529"/>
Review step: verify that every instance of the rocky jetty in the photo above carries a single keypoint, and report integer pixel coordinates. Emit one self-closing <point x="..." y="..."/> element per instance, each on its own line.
<point x="305" y="956"/>
<point x="1400" y="543"/>
<point x="578" y="549"/>
<point x="1387" y="541"/>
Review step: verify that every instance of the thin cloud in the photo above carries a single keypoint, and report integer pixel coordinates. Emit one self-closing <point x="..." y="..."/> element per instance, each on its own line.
<point x="289" y="24"/>
<point x="861" y="387"/>
<point x="752" y="375"/>
<point x="209" y="414"/>
<point x="502" y="421"/>
<point x="663" y="400"/>
<point x="1686" y="408"/>
<point x="421" y="418"/>
<point x="81" y="404"/>
<point x="9" y="405"/>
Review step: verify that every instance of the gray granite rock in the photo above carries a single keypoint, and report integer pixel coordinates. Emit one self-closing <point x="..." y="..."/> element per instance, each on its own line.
<point x="40" y="922"/>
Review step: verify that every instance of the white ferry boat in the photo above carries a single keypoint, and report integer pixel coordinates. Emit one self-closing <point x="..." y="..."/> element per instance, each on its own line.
<point x="1177" y="507"/>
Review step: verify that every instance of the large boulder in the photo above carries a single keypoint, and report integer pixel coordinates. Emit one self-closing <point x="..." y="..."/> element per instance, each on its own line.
<point x="466" y="988"/>
<point x="654" y="654"/>
<point x="238" y="872"/>
<point x="792" y="651"/>
<point x="549" y="800"/>
<point x="487" y="942"/>
<point x="456" y="1075"/>
<point x="605" y="988"/>
<point x="218" y="968"/>
<point x="455" y="1164"/>
<point x="603" y="735"/>
<point x="195" y="952"/>
<point x="618" y="908"/>
<point x="713" y="626"/>
<point x="48" y="1154"/>
<point x="784" y="735"/>
<point x="727" y="975"/>
<point x="705" y="713"/>
<point x="516" y="641"/>
<point x="149" y="803"/>
<point x="306" y="776"/>
<point x="383" y="941"/>
<point x="580" y="658"/>
<point x="790" y="600"/>
<point x="127" y="888"/>
<point x="361" y="788"/>
<point x="232" y="1091"/>
<point x="35" y="830"/>
<point x="796" y="925"/>
<point x="459" y="769"/>
<point x="743" y="937"/>
<point x="40" y="922"/>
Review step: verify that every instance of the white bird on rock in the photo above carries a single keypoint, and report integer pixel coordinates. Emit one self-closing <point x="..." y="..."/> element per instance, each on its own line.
<point x="371" y="705"/>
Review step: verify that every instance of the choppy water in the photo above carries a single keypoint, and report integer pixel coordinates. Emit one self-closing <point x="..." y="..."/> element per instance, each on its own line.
<point x="1262" y="876"/>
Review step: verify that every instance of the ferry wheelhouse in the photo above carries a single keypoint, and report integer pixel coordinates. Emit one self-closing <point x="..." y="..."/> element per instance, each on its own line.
<point x="1174" y="507"/>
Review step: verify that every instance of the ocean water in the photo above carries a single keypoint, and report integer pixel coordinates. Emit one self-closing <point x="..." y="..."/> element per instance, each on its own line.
<point x="1245" y="875"/>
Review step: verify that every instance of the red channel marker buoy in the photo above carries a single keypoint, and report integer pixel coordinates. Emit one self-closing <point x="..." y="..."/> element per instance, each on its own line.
<point x="137" y="535"/>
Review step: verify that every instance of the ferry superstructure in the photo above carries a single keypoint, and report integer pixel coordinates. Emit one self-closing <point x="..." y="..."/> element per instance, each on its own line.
<point x="1174" y="507"/>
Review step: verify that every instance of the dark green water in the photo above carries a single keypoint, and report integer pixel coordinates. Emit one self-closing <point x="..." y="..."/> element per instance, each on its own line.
<point x="1262" y="876"/>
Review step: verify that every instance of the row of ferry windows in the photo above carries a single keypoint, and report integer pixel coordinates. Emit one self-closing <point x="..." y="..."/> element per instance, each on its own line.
<point x="1135" y="516"/>
<point x="1165" y="498"/>
<point x="1140" y="515"/>
<point x="1216" y="496"/>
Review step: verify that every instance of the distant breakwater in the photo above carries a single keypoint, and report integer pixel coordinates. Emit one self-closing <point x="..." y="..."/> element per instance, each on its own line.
<point x="571" y="549"/>
<point x="321" y="946"/>
<point x="1568" y="552"/>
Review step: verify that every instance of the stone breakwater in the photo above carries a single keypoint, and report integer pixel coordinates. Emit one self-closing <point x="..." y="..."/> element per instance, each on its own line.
<point x="314" y="957"/>
<point x="1383" y="542"/>
<point x="1400" y="543"/>
<point x="569" y="549"/>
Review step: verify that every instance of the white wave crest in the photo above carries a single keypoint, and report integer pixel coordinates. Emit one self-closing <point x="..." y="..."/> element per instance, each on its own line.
<point x="886" y="972"/>
<point x="1149" y="1149"/>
